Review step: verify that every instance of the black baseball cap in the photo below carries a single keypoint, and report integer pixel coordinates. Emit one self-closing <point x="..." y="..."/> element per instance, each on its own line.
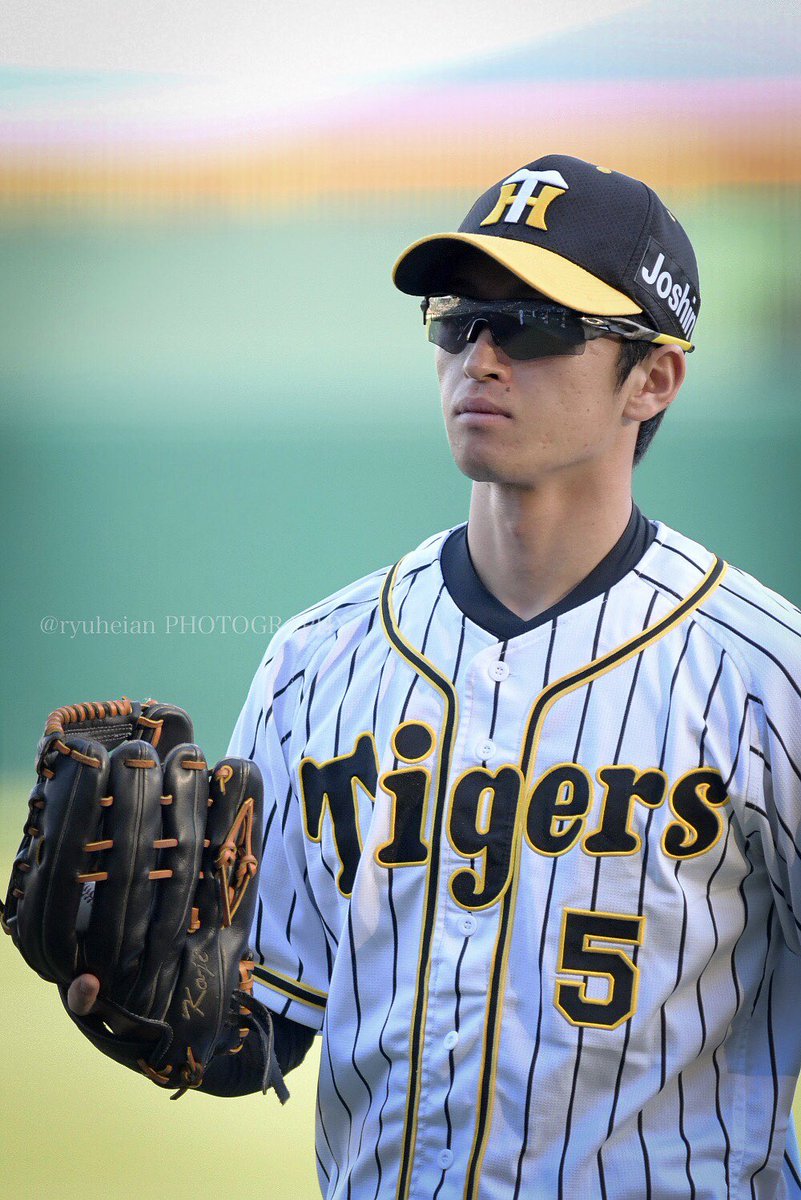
<point x="587" y="237"/>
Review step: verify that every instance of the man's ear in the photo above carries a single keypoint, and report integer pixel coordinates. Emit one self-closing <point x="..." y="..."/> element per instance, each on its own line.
<point x="654" y="383"/>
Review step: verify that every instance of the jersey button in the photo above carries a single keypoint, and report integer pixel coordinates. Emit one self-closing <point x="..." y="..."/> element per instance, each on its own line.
<point x="498" y="671"/>
<point x="485" y="749"/>
<point x="468" y="925"/>
<point x="445" y="1159"/>
<point x="450" y="1039"/>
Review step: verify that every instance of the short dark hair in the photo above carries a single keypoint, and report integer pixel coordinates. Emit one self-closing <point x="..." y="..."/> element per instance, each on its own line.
<point x="632" y="353"/>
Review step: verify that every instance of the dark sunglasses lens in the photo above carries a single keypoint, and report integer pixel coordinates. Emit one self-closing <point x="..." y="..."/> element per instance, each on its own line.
<point x="533" y="338"/>
<point x="542" y="334"/>
<point x="449" y="333"/>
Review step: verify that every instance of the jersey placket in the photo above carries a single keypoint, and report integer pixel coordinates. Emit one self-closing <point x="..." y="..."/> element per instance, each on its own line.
<point x="462" y="947"/>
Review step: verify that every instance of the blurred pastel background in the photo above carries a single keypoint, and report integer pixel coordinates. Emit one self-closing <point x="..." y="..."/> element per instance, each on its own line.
<point x="217" y="409"/>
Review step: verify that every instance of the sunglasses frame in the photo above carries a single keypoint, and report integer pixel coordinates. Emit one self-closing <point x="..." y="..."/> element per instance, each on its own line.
<point x="593" y="327"/>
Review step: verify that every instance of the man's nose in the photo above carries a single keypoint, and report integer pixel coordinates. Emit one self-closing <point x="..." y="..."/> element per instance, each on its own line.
<point x="475" y="330"/>
<point x="482" y="357"/>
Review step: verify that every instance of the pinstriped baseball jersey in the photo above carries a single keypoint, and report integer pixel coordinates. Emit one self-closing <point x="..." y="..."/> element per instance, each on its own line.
<point x="539" y="894"/>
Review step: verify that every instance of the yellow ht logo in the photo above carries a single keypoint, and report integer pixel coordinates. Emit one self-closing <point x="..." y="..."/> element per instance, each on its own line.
<point x="513" y="200"/>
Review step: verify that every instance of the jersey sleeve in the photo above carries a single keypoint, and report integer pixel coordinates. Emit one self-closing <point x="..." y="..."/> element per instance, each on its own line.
<point x="774" y="791"/>
<point x="292" y="957"/>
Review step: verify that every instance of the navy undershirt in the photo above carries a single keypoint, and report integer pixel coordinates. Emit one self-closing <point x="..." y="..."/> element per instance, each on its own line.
<point x="471" y="596"/>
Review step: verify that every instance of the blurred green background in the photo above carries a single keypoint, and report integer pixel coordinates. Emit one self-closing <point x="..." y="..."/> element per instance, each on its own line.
<point x="212" y="424"/>
<point x="216" y="409"/>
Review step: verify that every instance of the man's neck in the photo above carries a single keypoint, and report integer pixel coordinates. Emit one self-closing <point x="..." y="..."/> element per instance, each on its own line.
<point x="531" y="547"/>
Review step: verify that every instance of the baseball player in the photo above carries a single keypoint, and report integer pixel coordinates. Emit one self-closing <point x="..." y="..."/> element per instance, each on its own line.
<point x="531" y="859"/>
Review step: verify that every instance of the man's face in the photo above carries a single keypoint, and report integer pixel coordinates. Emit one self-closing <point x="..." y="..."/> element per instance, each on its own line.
<point x="523" y="422"/>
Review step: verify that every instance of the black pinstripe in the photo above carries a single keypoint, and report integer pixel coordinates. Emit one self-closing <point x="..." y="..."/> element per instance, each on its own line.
<point x="618" y="750"/>
<point x="738" y="633"/>
<point x="537" y="1038"/>
<point x="646" y="854"/>
<point x="330" y="937"/>
<point x="321" y="1126"/>
<point x="343" y="1102"/>
<point x="580" y="1038"/>
<point x="725" y="588"/>
<point x="351" y="669"/>
<point x="459" y="648"/>
<point x="683" y="1136"/>
<point x="335" y="609"/>
<point x="385" y="1056"/>
<point x="395" y="931"/>
<point x="772" y="727"/>
<point x="457" y="978"/>
<point x="331" y="871"/>
<point x="280" y="691"/>
<point x="679" y="970"/>
<point x="543" y="927"/>
<point x="451" y="1059"/>
<point x="708" y="707"/>
<point x="414" y="572"/>
<point x="256" y="733"/>
<point x="737" y="996"/>
<point x="793" y="1172"/>
<point x="775" y="1082"/>
<point x="699" y="997"/>
<point x="718" y="1102"/>
<point x="321" y="1165"/>
<point x="404" y="709"/>
<point x="765" y="612"/>
<point x="496" y="692"/>
<point x="260" y="901"/>
<point x="643" y="875"/>
<point x="794" y="768"/>
<point x="354" y="1043"/>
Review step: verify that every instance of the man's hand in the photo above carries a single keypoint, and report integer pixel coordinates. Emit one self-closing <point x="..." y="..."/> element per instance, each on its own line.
<point x="82" y="994"/>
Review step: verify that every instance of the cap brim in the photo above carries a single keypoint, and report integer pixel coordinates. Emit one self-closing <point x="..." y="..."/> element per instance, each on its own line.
<point x="428" y="268"/>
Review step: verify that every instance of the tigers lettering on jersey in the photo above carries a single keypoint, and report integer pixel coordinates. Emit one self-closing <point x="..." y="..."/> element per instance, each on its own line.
<point x="332" y="786"/>
<point x="483" y="812"/>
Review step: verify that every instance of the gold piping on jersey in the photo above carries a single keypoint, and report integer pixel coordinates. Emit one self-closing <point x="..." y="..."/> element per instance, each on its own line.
<point x="500" y="959"/>
<point x="439" y="792"/>
<point x="291" y="988"/>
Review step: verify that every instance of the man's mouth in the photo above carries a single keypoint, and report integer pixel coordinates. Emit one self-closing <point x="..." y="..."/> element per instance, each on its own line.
<point x="479" y="406"/>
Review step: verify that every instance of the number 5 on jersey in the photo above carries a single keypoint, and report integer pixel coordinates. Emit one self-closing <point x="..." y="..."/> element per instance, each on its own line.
<point x="581" y="954"/>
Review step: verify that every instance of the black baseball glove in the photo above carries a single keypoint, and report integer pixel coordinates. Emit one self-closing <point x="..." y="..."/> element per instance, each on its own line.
<point x="137" y="865"/>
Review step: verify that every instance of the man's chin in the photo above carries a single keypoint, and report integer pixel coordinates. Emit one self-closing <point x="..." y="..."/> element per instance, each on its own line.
<point x="481" y="471"/>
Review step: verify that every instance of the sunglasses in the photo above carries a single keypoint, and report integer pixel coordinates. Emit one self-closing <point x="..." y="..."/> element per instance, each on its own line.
<point x="526" y="329"/>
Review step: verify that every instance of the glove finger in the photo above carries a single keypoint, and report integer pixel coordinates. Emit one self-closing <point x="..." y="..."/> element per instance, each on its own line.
<point x="114" y="940"/>
<point x="233" y="831"/>
<point x="223" y="909"/>
<point x="66" y="814"/>
<point x="165" y="726"/>
<point x="183" y="811"/>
